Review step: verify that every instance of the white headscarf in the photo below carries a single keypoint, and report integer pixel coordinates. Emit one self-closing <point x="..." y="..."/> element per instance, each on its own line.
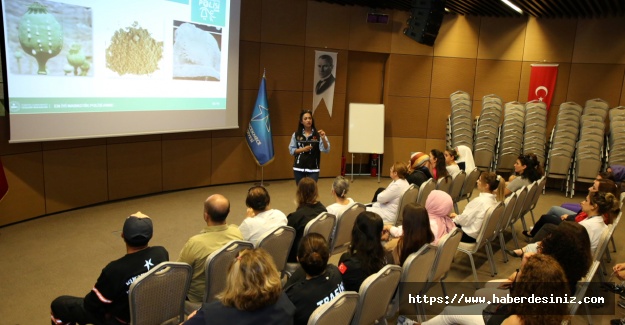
<point x="466" y="156"/>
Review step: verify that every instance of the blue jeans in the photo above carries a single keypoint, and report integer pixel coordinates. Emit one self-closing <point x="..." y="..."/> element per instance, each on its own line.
<point x="558" y="211"/>
<point x="299" y="175"/>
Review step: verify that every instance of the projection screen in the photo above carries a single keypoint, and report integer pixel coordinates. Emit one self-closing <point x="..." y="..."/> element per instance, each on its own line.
<point x="101" y="68"/>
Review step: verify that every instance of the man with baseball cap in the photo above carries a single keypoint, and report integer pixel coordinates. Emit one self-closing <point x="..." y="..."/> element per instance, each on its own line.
<point x="107" y="302"/>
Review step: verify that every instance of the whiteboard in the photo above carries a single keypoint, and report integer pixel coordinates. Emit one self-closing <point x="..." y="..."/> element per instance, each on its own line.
<point x="366" y="128"/>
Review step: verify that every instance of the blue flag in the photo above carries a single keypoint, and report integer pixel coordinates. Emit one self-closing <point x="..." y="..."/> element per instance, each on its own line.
<point x="258" y="133"/>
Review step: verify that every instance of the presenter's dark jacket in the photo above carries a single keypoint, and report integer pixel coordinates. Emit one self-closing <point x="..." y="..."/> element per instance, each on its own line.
<point x="308" y="161"/>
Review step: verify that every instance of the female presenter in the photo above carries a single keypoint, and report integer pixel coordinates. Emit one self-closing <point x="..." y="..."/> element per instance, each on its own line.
<point x="306" y="146"/>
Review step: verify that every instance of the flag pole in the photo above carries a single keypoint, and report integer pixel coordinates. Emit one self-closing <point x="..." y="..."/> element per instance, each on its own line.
<point x="262" y="177"/>
<point x="262" y="168"/>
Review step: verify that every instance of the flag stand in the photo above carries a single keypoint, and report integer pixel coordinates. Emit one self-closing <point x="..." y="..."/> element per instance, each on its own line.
<point x="262" y="174"/>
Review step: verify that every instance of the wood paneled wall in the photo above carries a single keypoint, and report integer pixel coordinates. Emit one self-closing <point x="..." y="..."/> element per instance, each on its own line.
<point x="477" y="55"/>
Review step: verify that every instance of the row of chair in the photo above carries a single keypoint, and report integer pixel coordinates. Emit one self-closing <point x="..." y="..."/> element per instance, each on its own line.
<point x="459" y="188"/>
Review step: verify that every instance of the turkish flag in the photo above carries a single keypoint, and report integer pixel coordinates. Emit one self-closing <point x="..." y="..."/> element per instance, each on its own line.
<point x="543" y="83"/>
<point x="4" y="184"/>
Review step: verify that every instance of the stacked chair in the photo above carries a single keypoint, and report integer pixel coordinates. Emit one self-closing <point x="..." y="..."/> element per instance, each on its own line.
<point x="486" y="132"/>
<point x="589" y="149"/>
<point x="510" y="137"/>
<point x="534" y="137"/>
<point x="616" y="138"/>
<point x="460" y="123"/>
<point x="562" y="143"/>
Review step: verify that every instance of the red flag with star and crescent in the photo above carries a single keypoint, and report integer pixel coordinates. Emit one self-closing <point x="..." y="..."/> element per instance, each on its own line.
<point x="543" y="83"/>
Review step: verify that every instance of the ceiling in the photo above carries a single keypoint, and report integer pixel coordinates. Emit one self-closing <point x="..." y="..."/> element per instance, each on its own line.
<point x="496" y="8"/>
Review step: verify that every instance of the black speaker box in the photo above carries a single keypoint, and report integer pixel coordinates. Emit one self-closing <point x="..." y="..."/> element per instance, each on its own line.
<point x="425" y="20"/>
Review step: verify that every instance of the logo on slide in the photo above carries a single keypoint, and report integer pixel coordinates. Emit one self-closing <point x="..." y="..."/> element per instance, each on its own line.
<point x="14" y="106"/>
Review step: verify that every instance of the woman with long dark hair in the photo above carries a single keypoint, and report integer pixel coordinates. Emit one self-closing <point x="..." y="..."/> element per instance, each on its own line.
<point x="438" y="166"/>
<point x="307" y="144"/>
<point x="415" y="232"/>
<point x="366" y="254"/>
<point x="527" y="170"/>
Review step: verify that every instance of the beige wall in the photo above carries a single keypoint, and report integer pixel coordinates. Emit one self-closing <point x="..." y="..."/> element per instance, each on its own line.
<point x="376" y="63"/>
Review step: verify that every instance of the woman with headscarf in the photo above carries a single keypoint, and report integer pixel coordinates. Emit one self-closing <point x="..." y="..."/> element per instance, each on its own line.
<point x="465" y="160"/>
<point x="418" y="172"/>
<point x="439" y="205"/>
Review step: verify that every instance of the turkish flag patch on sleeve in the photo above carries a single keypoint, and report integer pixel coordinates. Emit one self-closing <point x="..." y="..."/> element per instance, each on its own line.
<point x="342" y="268"/>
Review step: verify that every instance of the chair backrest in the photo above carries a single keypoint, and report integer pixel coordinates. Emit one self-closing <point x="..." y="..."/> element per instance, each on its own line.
<point x="375" y="294"/>
<point x="508" y="213"/>
<point x="521" y="196"/>
<point x="159" y="294"/>
<point x="527" y="203"/>
<point x="425" y="189"/>
<point x="539" y="190"/>
<point x="217" y="265"/>
<point x="445" y="252"/>
<point x="323" y="224"/>
<point x="604" y="240"/>
<point x="582" y="286"/>
<point x="339" y="311"/>
<point x="343" y="232"/>
<point x="444" y="184"/>
<point x="469" y="183"/>
<point x="456" y="186"/>
<point x="278" y="244"/>
<point x="492" y="218"/>
<point x="410" y="196"/>
<point x="414" y="274"/>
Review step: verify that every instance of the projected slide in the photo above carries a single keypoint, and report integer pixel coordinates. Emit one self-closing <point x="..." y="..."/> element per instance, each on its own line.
<point x="81" y="56"/>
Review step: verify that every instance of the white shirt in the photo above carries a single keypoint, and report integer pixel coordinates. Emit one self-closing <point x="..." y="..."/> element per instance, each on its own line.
<point x="388" y="200"/>
<point x="594" y="226"/>
<point x="337" y="209"/>
<point x="252" y="228"/>
<point x="453" y="170"/>
<point x="472" y="217"/>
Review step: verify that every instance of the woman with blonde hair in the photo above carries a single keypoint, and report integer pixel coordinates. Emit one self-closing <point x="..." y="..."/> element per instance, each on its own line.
<point x="386" y="202"/>
<point x="308" y="208"/>
<point x="253" y="294"/>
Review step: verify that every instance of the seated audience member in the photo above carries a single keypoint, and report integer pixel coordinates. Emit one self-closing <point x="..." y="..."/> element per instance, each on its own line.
<point x="308" y="208"/>
<point x="527" y="170"/>
<point x="596" y="205"/>
<point x="259" y="218"/>
<point x="107" y="302"/>
<point x="575" y="208"/>
<point x="569" y="244"/>
<point x="618" y="173"/>
<point x="315" y="282"/>
<point x="340" y="188"/>
<point x="470" y="220"/>
<point x="414" y="232"/>
<point x="366" y="253"/>
<point x="387" y="201"/>
<point x="215" y="235"/>
<point x="602" y="185"/>
<point x="439" y="206"/>
<point x="438" y="166"/>
<point x="253" y="295"/>
<point x="465" y="158"/>
<point x="540" y="276"/>
<point x="450" y="162"/>
<point x="418" y="171"/>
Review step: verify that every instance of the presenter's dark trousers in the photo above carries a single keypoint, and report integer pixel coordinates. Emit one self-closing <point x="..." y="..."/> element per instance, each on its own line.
<point x="299" y="175"/>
